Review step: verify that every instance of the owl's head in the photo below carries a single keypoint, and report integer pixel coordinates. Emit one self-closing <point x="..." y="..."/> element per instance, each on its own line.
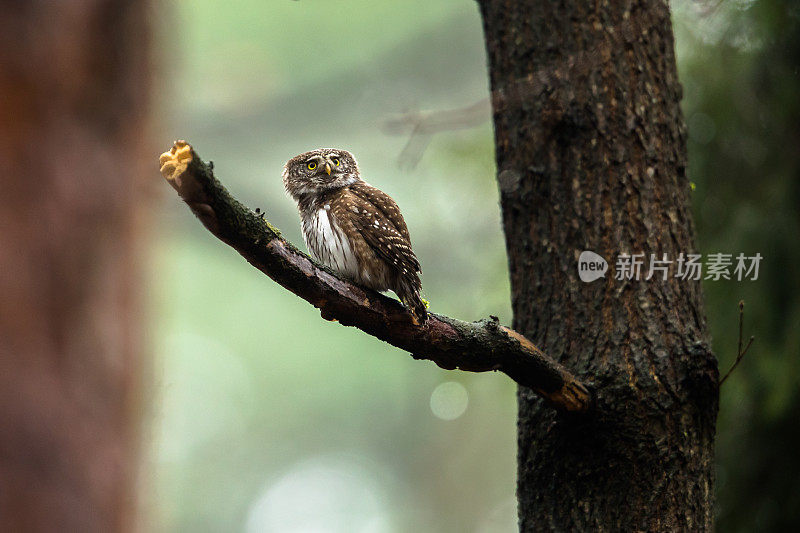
<point x="318" y="171"/>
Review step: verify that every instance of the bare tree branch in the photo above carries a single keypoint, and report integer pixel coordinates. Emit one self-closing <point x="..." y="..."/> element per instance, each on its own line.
<point x="422" y="125"/>
<point x="451" y="344"/>
<point x="740" y="353"/>
<point x="428" y="122"/>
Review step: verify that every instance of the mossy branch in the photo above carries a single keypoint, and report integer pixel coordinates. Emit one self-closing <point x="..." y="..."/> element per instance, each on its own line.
<point x="450" y="343"/>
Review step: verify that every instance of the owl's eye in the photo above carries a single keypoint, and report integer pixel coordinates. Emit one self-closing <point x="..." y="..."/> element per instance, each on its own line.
<point x="336" y="161"/>
<point x="312" y="166"/>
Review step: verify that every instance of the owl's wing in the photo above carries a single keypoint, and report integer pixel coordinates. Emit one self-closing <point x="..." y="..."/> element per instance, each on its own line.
<point x="383" y="203"/>
<point x="377" y="219"/>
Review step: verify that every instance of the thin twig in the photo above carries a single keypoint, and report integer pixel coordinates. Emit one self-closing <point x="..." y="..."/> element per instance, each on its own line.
<point x="740" y="353"/>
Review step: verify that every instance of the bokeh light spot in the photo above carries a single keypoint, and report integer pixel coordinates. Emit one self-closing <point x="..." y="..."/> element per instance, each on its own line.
<point x="702" y="128"/>
<point x="449" y="400"/>
<point x="325" y="494"/>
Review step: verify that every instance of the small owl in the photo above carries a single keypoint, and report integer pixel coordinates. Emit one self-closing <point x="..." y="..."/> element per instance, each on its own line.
<point x="351" y="227"/>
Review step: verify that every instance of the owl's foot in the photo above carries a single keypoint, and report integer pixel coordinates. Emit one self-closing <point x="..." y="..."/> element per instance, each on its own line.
<point x="418" y="309"/>
<point x="175" y="161"/>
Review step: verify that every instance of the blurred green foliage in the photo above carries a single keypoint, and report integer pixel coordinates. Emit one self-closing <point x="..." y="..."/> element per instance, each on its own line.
<point x="262" y="407"/>
<point x="740" y="66"/>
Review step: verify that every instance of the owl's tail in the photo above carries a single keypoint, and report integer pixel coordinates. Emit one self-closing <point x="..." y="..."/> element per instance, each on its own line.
<point x="409" y="295"/>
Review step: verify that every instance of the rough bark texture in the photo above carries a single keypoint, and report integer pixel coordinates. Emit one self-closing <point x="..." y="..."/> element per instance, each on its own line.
<point x="453" y="344"/>
<point x="590" y="148"/>
<point x="72" y="94"/>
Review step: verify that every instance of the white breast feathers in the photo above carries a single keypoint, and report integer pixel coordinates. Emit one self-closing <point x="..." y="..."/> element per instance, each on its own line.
<point x="329" y="245"/>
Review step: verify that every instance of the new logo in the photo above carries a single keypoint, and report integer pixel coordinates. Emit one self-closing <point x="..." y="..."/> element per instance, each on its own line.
<point x="591" y="266"/>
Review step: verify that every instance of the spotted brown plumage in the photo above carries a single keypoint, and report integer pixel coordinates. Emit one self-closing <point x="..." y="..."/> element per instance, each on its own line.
<point x="352" y="227"/>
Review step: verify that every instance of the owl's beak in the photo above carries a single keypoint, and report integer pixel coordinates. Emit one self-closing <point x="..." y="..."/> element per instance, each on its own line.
<point x="328" y="168"/>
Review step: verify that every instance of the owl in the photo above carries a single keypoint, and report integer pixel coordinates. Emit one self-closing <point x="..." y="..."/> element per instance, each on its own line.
<point x="353" y="228"/>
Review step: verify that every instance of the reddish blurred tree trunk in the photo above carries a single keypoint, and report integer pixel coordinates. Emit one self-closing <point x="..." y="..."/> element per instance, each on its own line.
<point x="73" y="93"/>
<point x="591" y="154"/>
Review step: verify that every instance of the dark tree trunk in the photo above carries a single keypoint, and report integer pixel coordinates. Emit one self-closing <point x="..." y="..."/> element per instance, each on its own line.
<point x="72" y="96"/>
<point x="591" y="155"/>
